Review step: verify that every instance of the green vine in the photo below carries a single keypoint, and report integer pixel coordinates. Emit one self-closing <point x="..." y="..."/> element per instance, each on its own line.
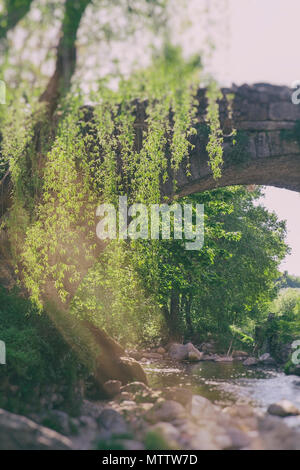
<point x="58" y="189"/>
<point x="215" y="141"/>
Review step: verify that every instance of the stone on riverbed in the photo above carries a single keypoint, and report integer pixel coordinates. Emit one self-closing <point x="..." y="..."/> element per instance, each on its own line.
<point x="250" y="362"/>
<point x="274" y="434"/>
<point x="185" y="352"/>
<point x="167" y="410"/>
<point x="161" y="350"/>
<point x="135" y="387"/>
<point x="111" y="423"/>
<point x="240" y="355"/>
<point x="283" y="408"/>
<point x="202" y="409"/>
<point x="130" y="370"/>
<point x="112" y="388"/>
<point x="267" y="359"/>
<point x="20" y="433"/>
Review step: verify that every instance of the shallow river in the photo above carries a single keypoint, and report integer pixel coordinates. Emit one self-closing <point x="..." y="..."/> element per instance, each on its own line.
<point x="227" y="383"/>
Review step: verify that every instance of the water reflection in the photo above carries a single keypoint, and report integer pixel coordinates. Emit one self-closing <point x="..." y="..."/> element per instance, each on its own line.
<point x="227" y="383"/>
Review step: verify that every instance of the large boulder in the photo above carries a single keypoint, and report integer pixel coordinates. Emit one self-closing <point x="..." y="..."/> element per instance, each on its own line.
<point x="129" y="370"/>
<point x="283" y="408"/>
<point x="112" y="363"/>
<point x="20" y="433"/>
<point x="185" y="352"/>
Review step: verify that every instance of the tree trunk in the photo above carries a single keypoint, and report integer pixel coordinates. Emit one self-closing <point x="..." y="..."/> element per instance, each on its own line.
<point x="188" y="319"/>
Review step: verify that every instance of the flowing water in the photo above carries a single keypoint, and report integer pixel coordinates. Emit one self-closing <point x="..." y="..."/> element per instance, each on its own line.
<point x="228" y="383"/>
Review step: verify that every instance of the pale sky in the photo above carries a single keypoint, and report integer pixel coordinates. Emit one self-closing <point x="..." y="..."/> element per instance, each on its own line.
<point x="256" y="41"/>
<point x="263" y="46"/>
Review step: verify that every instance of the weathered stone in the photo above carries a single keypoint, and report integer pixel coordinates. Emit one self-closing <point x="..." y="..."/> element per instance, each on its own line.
<point x="130" y="370"/>
<point x="283" y="408"/>
<point x="274" y="434"/>
<point x="240" y="354"/>
<point x="167" y="410"/>
<point x="203" y="440"/>
<point x="136" y="387"/>
<point x="137" y="355"/>
<point x="267" y="359"/>
<point x="178" y="352"/>
<point x="125" y="396"/>
<point x="88" y="422"/>
<point x="251" y="361"/>
<point x="112" y="388"/>
<point x="223" y="359"/>
<point x="112" y="422"/>
<point x="240" y="411"/>
<point x="182" y="352"/>
<point x="284" y="111"/>
<point x="239" y="439"/>
<point x="20" y="433"/>
<point x="202" y="409"/>
<point x="161" y="350"/>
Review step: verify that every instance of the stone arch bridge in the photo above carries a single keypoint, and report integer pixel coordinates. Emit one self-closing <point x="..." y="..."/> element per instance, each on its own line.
<point x="267" y="149"/>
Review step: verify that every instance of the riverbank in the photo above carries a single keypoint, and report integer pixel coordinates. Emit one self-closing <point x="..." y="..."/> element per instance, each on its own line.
<point x="174" y="412"/>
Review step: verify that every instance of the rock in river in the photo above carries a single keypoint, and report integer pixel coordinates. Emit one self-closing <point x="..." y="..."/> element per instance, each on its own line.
<point x="283" y="408"/>
<point x="183" y="352"/>
<point x="250" y="362"/>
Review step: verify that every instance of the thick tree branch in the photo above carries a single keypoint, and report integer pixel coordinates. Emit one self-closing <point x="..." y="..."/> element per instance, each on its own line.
<point x="16" y="10"/>
<point x="60" y="81"/>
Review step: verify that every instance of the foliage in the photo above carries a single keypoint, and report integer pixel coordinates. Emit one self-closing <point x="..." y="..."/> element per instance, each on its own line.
<point x="60" y="240"/>
<point x="37" y="355"/>
<point x="215" y="141"/>
<point x="282" y="325"/>
<point x="157" y="284"/>
<point x="239" y="153"/>
<point x="134" y="139"/>
<point x="286" y="308"/>
<point x="287" y="280"/>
